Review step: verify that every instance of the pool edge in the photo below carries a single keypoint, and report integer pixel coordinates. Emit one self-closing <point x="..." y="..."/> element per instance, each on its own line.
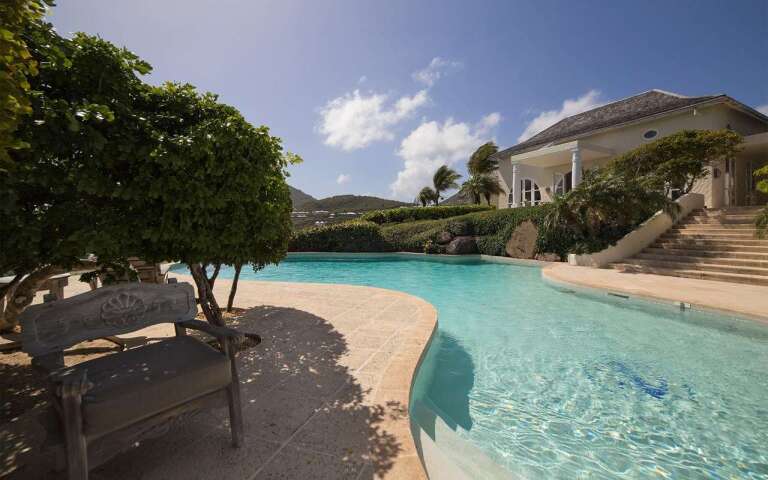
<point x="550" y="276"/>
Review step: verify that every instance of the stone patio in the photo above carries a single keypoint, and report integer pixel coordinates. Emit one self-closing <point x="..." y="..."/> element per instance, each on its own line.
<point x="325" y="395"/>
<point x="729" y="298"/>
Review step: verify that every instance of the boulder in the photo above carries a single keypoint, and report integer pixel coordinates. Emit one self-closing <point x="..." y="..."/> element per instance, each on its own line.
<point x="461" y="246"/>
<point x="522" y="243"/>
<point x="548" y="257"/>
<point x="444" y="237"/>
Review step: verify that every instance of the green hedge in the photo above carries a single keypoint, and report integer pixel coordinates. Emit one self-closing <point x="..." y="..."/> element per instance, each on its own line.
<point x="493" y="228"/>
<point x="410" y="214"/>
<point x="353" y="236"/>
<point x="412" y="236"/>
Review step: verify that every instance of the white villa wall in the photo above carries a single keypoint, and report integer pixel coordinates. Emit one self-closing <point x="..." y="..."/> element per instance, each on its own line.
<point x="620" y="140"/>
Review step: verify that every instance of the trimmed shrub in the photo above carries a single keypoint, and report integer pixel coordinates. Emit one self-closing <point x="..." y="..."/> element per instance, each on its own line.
<point x="412" y="236"/>
<point x="410" y="214"/>
<point x="354" y="236"/>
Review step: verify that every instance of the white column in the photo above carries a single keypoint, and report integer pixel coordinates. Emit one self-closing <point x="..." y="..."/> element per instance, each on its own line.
<point x="515" y="185"/>
<point x="575" y="167"/>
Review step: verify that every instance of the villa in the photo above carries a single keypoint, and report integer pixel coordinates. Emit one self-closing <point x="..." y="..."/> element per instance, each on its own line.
<point x="553" y="161"/>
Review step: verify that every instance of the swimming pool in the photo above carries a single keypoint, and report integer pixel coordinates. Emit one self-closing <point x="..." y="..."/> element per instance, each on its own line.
<point x="550" y="383"/>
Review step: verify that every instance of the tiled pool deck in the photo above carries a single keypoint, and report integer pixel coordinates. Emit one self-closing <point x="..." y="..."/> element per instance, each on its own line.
<point x="324" y="396"/>
<point x="729" y="298"/>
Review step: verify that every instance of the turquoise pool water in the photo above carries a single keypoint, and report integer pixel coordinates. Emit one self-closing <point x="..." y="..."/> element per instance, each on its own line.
<point x="553" y="384"/>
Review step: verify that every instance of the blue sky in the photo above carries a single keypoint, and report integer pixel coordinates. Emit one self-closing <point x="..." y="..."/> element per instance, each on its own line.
<point x="375" y="95"/>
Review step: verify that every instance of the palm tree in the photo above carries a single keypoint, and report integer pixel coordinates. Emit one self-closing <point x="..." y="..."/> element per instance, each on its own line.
<point x="426" y="196"/>
<point x="482" y="161"/>
<point x="444" y="179"/>
<point x="482" y="167"/>
<point x="481" y="186"/>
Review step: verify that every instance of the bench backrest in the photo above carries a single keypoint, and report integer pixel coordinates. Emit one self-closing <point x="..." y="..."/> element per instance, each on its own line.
<point x="113" y="310"/>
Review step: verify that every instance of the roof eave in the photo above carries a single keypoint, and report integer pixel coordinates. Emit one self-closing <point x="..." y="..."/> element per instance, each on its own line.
<point x="712" y="101"/>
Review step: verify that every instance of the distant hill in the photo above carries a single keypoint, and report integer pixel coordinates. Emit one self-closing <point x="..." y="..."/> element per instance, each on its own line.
<point x="298" y="197"/>
<point x="350" y="203"/>
<point x="309" y="212"/>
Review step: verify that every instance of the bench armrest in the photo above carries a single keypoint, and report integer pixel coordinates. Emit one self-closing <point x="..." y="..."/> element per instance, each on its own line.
<point x="70" y="383"/>
<point x="234" y="337"/>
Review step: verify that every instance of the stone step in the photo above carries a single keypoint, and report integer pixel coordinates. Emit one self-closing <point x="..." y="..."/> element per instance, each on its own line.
<point x="726" y="227"/>
<point x="714" y="236"/>
<point x="727" y="246"/>
<point x="699" y="274"/>
<point x="741" y="270"/>
<point x="733" y="210"/>
<point x="709" y="253"/>
<point x="745" y="219"/>
<point x="694" y="260"/>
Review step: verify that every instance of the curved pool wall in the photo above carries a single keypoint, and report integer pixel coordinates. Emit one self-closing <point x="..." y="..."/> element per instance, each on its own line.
<point x="523" y="380"/>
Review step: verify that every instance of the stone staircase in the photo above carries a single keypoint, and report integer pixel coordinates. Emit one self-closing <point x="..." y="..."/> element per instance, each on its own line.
<point x="717" y="244"/>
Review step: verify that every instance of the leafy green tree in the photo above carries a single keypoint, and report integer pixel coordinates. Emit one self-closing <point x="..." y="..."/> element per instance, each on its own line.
<point x="211" y="192"/>
<point x="18" y="67"/>
<point x="482" y="161"/>
<point x="427" y="196"/>
<point x="121" y="169"/>
<point x="57" y="202"/>
<point x="444" y="179"/>
<point x="676" y="161"/>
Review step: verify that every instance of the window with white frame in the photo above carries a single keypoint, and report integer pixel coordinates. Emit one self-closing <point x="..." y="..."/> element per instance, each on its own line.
<point x="562" y="183"/>
<point x="529" y="192"/>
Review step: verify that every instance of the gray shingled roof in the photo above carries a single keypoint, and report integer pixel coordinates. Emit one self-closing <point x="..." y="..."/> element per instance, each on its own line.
<point x="622" y="111"/>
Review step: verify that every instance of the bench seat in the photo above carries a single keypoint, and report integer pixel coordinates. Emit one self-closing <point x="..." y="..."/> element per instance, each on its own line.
<point x="144" y="381"/>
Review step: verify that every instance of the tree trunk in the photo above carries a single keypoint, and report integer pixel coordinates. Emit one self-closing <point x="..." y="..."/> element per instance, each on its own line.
<point x="20" y="297"/>
<point x="233" y="289"/>
<point x="8" y="287"/>
<point x="213" y="277"/>
<point x="205" y="295"/>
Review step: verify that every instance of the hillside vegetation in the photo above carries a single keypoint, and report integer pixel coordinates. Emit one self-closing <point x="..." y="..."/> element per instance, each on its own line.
<point x="491" y="229"/>
<point x="349" y="203"/>
<point x="409" y="214"/>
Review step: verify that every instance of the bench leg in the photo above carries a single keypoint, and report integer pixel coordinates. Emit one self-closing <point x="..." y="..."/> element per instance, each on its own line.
<point x="77" y="452"/>
<point x="235" y="410"/>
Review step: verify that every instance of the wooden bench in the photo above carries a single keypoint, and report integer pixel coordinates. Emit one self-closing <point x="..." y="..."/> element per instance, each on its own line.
<point x="107" y="404"/>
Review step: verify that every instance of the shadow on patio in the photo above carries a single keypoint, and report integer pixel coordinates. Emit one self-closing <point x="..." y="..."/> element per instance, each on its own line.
<point x="306" y="414"/>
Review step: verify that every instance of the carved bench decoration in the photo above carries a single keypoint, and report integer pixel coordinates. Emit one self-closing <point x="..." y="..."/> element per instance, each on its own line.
<point x="122" y="310"/>
<point x="107" y="404"/>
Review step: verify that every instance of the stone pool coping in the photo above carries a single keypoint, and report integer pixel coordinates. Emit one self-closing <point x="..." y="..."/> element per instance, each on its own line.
<point x="749" y="301"/>
<point x="325" y="395"/>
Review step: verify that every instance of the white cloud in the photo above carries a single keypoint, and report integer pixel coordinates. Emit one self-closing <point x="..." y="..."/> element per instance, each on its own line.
<point x="362" y="79"/>
<point x="433" y="144"/>
<point x="436" y="69"/>
<point x="343" y="178"/>
<point x="763" y="109"/>
<point x="356" y="120"/>
<point x="588" y="101"/>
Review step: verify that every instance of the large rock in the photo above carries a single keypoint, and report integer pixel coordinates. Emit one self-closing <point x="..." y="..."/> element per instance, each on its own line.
<point x="522" y="243"/>
<point x="444" y="237"/>
<point x="461" y="246"/>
